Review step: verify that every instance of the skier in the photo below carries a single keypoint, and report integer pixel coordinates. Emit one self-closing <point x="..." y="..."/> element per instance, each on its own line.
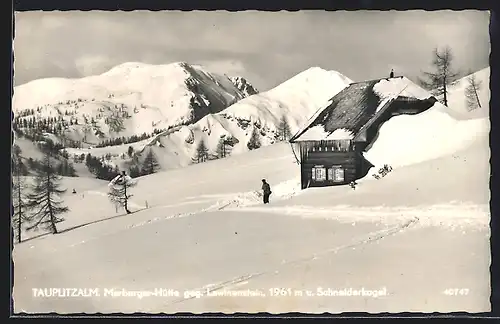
<point x="392" y="74"/>
<point x="74" y="191"/>
<point x="266" y="191"/>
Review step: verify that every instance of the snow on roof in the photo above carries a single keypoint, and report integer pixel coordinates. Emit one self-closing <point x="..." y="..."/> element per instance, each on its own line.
<point x="400" y="86"/>
<point x="318" y="131"/>
<point x="355" y="106"/>
<point x="351" y="108"/>
<point x="313" y="118"/>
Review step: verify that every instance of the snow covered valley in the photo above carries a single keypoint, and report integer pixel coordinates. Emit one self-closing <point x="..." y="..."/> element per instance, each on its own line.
<point x="205" y="228"/>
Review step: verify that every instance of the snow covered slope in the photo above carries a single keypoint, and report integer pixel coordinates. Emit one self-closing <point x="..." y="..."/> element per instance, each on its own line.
<point x="439" y="131"/>
<point x="296" y="100"/>
<point x="202" y="229"/>
<point x="457" y="100"/>
<point x="130" y="99"/>
<point x="136" y="98"/>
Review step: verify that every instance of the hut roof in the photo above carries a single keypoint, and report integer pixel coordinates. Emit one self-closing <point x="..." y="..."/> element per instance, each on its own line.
<point x="359" y="104"/>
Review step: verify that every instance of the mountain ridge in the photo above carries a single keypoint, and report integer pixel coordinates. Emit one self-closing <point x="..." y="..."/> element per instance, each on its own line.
<point x="296" y="99"/>
<point x="169" y="95"/>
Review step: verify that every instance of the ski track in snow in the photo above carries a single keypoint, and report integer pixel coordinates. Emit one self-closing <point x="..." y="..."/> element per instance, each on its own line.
<point x="456" y="215"/>
<point x="130" y="202"/>
<point x="451" y="215"/>
<point x="365" y="239"/>
<point x="242" y="200"/>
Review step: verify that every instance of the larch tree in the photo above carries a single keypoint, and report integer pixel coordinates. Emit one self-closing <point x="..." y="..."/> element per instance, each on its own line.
<point x="284" y="131"/>
<point x="44" y="200"/>
<point x="471" y="93"/>
<point x="439" y="81"/>
<point x="19" y="199"/>
<point x="119" y="191"/>
<point x="150" y="164"/>
<point x="222" y="148"/>
<point x="201" y="154"/>
<point x="254" y="142"/>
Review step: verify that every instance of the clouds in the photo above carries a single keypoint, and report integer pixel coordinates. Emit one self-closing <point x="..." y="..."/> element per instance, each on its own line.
<point x="266" y="47"/>
<point x="230" y="67"/>
<point x="91" y="64"/>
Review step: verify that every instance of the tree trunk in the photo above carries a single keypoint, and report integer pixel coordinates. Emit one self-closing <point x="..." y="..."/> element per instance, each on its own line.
<point x="52" y="220"/>
<point x="445" y="90"/>
<point x="477" y="97"/>
<point x="125" y="204"/>
<point x="49" y="206"/>
<point x="19" y="207"/>
<point x="19" y="223"/>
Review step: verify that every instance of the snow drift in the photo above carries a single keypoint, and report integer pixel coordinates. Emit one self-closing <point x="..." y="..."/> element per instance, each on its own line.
<point x="436" y="132"/>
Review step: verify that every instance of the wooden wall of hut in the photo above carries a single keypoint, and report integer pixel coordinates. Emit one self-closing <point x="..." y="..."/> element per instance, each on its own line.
<point x="347" y="161"/>
<point x="307" y="147"/>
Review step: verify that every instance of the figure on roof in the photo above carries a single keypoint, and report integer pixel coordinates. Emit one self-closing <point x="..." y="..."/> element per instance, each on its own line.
<point x="392" y="74"/>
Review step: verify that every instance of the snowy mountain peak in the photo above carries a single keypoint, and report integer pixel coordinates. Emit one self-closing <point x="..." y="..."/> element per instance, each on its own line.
<point x="314" y="76"/>
<point x="262" y="114"/>
<point x="126" y="68"/>
<point x="131" y="99"/>
<point x="244" y="86"/>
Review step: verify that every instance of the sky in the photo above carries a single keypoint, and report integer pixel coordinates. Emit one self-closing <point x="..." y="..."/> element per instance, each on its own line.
<point x="267" y="48"/>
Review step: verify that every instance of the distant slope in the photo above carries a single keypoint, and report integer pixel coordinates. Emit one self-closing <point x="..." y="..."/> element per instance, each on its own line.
<point x="30" y="150"/>
<point x="457" y="100"/>
<point x="296" y="99"/>
<point x="130" y="99"/>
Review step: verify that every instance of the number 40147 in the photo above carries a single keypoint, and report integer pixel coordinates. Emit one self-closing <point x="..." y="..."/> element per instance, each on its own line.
<point x="456" y="291"/>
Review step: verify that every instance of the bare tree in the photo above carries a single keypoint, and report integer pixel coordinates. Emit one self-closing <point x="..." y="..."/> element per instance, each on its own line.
<point x="86" y="129"/>
<point x="19" y="198"/>
<point x="443" y="77"/>
<point x="45" y="196"/>
<point x="471" y="92"/>
<point x="222" y="148"/>
<point x="119" y="191"/>
<point x="201" y="153"/>
<point x="150" y="164"/>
